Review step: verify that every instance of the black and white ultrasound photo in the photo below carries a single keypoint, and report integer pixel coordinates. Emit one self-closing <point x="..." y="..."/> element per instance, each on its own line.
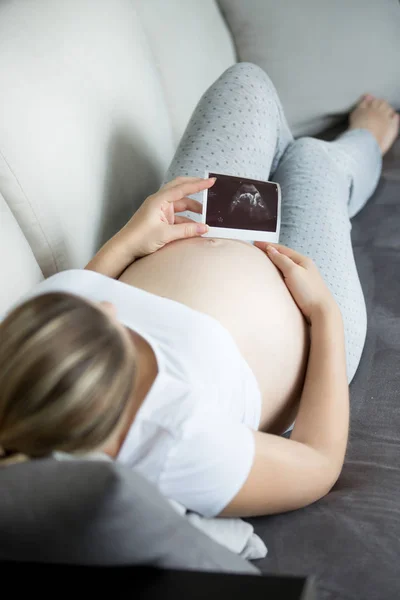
<point x="240" y="203"/>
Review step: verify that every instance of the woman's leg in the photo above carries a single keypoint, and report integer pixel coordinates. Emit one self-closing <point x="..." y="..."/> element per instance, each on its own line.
<point x="324" y="184"/>
<point x="237" y="128"/>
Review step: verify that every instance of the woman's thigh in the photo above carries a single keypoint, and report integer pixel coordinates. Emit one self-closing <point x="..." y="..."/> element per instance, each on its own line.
<point x="238" y="128"/>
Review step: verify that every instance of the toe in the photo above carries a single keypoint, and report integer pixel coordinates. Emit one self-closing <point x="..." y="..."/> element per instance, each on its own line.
<point x="365" y="100"/>
<point x="377" y="103"/>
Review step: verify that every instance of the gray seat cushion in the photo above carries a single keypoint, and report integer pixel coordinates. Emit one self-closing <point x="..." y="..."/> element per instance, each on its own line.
<point x="99" y="513"/>
<point x="351" y="539"/>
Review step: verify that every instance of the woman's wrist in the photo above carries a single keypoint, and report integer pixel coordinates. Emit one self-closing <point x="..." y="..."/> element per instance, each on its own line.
<point x="326" y="312"/>
<point x="116" y="254"/>
<point x="128" y="242"/>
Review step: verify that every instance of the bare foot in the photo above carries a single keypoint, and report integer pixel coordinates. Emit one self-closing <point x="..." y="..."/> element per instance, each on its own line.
<point x="379" y="118"/>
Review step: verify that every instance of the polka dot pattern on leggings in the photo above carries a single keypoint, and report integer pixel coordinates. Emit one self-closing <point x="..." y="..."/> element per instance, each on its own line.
<point x="261" y="124"/>
<point x="316" y="186"/>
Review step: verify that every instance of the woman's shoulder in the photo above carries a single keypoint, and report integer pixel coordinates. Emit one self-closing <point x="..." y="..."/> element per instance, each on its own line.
<point x="183" y="442"/>
<point x="208" y="464"/>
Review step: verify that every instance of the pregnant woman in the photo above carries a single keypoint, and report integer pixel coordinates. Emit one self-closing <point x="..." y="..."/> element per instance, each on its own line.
<point x="185" y="357"/>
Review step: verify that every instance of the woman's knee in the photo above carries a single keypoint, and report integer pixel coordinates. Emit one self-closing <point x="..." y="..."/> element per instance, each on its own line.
<point x="252" y="78"/>
<point x="314" y="159"/>
<point x="310" y="149"/>
<point x="318" y="154"/>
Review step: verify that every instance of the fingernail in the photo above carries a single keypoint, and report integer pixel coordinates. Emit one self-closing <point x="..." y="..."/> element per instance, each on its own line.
<point x="272" y="250"/>
<point x="213" y="179"/>
<point x="202" y="228"/>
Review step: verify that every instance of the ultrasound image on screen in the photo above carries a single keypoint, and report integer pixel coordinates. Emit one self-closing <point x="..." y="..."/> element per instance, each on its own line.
<point x="239" y="203"/>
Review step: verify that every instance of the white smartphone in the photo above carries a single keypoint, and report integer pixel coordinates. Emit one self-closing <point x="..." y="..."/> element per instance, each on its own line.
<point x="242" y="208"/>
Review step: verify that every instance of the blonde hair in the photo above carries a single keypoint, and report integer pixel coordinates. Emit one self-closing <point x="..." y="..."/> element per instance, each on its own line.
<point x="66" y="377"/>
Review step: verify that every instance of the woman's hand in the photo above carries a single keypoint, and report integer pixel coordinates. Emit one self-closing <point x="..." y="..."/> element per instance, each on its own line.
<point x="155" y="223"/>
<point x="302" y="278"/>
<point x="152" y="226"/>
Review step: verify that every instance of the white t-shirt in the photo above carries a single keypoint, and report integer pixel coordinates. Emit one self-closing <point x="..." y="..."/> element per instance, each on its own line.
<point x="192" y="436"/>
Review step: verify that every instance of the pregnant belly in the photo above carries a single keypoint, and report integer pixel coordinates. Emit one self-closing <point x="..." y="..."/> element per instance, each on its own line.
<point x="237" y="284"/>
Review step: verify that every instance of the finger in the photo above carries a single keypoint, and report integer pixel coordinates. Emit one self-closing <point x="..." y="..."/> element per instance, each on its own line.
<point x="179" y="219"/>
<point x="296" y="257"/>
<point x="177" y="192"/>
<point x="292" y="254"/>
<point x="188" y="204"/>
<point x="180" y="180"/>
<point x="187" y="230"/>
<point x="282" y="261"/>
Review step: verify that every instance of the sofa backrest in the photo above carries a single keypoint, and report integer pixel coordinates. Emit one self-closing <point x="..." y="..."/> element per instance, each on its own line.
<point x="191" y="46"/>
<point x="94" y="96"/>
<point x="19" y="270"/>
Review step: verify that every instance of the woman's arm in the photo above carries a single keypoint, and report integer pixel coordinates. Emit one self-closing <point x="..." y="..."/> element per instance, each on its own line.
<point x="154" y="225"/>
<point x="115" y="256"/>
<point x="323" y="418"/>
<point x="289" y="474"/>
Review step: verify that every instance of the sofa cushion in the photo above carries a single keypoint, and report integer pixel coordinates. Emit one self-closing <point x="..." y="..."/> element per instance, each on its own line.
<point x="350" y="540"/>
<point x="321" y="56"/>
<point x="85" y="134"/>
<point x="191" y="46"/>
<point x="19" y="269"/>
<point x="99" y="513"/>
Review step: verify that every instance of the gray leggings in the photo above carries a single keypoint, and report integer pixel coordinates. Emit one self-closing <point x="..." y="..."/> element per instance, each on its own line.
<point x="239" y="128"/>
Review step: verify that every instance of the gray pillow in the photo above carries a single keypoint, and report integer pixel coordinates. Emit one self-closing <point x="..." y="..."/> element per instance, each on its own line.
<point x="320" y="54"/>
<point x="99" y="513"/>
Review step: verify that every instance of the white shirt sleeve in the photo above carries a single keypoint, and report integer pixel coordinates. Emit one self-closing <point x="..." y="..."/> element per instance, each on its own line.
<point x="206" y="468"/>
